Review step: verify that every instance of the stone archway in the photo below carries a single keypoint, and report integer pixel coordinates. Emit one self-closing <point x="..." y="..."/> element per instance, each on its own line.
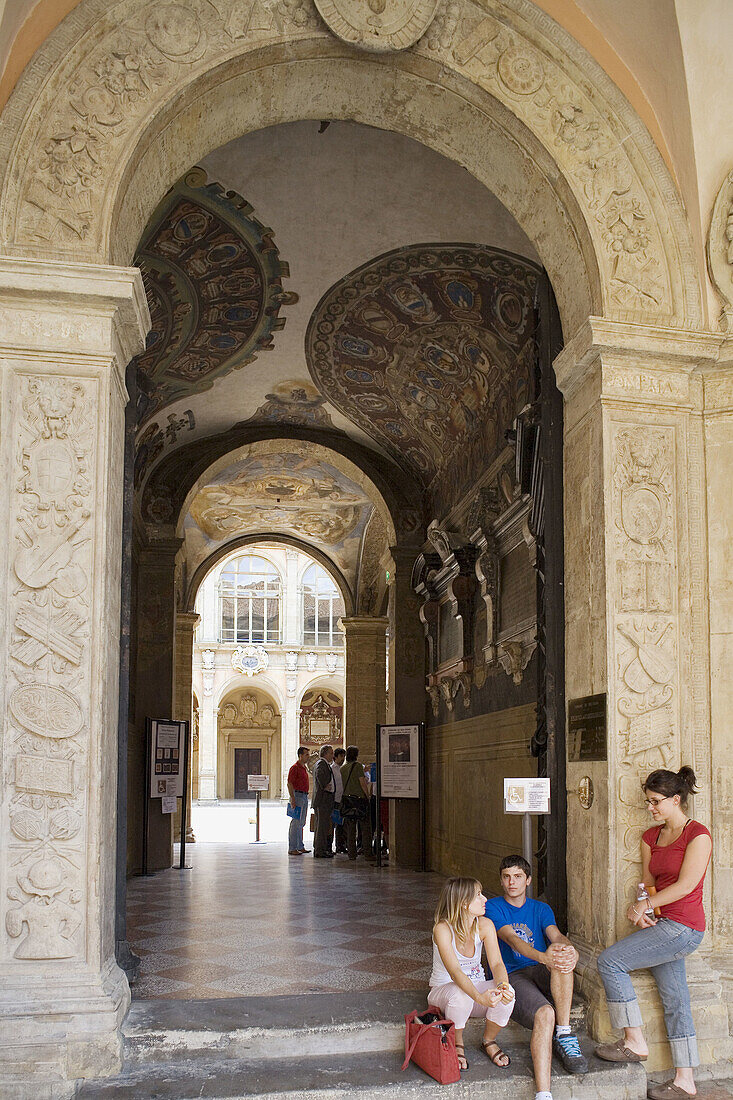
<point x="94" y="134"/>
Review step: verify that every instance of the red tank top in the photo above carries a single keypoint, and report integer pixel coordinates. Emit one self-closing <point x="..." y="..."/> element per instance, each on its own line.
<point x="665" y="865"/>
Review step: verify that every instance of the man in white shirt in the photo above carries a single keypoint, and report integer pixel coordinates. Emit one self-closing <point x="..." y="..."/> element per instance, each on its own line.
<point x="324" y="787"/>
<point x="339" y="755"/>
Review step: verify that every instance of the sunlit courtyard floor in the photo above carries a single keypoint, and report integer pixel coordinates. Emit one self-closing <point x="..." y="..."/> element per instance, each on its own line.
<point x="249" y="920"/>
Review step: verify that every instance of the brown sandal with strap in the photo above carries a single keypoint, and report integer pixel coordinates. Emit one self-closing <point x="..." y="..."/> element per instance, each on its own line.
<point x="498" y="1053"/>
<point x="461" y="1055"/>
<point x="619" y="1052"/>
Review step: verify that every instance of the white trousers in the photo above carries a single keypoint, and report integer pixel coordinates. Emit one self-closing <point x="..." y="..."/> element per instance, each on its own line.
<point x="459" y="1007"/>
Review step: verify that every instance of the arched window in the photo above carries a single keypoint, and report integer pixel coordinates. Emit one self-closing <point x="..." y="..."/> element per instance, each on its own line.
<point x="323" y="606"/>
<point x="250" y="592"/>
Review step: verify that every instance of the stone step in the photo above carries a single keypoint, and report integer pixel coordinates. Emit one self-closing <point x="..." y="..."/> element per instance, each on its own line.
<point x="366" y="1076"/>
<point x="262" y="1028"/>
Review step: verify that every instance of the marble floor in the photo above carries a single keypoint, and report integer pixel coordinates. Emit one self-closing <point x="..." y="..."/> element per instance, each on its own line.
<point x="249" y="920"/>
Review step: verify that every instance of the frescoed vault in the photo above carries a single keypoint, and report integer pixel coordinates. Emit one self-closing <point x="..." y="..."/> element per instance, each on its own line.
<point x="213" y="278"/>
<point x="431" y="350"/>
<point x="284" y="493"/>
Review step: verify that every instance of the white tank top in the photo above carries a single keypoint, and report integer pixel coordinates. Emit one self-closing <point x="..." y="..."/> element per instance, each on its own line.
<point x="472" y="967"/>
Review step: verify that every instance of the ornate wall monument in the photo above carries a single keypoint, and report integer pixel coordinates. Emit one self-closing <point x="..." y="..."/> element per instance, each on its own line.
<point x="110" y="114"/>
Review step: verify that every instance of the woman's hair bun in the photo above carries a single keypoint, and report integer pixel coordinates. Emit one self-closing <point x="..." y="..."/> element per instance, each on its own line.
<point x="688" y="779"/>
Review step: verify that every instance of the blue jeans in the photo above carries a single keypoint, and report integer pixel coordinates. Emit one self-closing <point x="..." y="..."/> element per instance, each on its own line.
<point x="661" y="950"/>
<point x="295" y="835"/>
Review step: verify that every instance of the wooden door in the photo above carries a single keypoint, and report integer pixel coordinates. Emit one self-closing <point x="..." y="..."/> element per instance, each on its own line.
<point x="246" y="762"/>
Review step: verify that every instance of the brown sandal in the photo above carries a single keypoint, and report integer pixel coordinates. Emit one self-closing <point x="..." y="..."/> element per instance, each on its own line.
<point x="668" y="1091"/>
<point x="619" y="1052"/>
<point x="461" y="1055"/>
<point x="498" y="1053"/>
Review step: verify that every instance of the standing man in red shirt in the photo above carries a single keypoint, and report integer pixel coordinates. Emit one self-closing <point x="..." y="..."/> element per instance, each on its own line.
<point x="298" y="785"/>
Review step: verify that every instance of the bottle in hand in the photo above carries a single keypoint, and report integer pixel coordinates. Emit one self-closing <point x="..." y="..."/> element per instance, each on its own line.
<point x="642" y="894"/>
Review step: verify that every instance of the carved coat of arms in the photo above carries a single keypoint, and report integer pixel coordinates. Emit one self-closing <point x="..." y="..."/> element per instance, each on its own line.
<point x="378" y="25"/>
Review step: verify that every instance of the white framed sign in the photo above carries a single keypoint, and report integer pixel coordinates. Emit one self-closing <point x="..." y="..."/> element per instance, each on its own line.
<point x="168" y="805"/>
<point x="399" y="758"/>
<point x="166" y="758"/>
<point x="258" y="782"/>
<point x="527" y="796"/>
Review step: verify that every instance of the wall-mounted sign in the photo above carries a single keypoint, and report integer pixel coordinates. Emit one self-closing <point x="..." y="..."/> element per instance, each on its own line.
<point x="527" y="796"/>
<point x="168" y="804"/>
<point x="586" y="734"/>
<point x="166" y="759"/>
<point x="258" y="782"/>
<point x="399" y="761"/>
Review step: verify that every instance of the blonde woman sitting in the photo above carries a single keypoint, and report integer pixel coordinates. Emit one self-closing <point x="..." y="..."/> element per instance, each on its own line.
<point x="457" y="983"/>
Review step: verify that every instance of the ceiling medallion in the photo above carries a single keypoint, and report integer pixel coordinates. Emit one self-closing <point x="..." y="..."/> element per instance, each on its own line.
<point x="378" y="25"/>
<point x="250" y="659"/>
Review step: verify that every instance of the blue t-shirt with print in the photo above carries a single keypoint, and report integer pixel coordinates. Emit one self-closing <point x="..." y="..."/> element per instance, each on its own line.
<point x="528" y="921"/>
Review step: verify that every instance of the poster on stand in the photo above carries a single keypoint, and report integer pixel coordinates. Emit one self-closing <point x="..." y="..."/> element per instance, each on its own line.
<point x="399" y="757"/>
<point x="166" y="758"/>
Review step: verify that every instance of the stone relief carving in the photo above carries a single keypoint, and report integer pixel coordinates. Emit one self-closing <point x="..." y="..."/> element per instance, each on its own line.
<point x="76" y="128"/>
<point x="46" y="732"/>
<point x="246" y="713"/>
<point x="250" y="659"/>
<point x="291" y="660"/>
<point x="720" y="250"/>
<point x="378" y="25"/>
<point x="646" y="643"/>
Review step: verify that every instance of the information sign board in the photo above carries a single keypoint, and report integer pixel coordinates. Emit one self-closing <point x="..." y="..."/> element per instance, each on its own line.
<point x="168" y="804"/>
<point x="258" y="782"/>
<point x="166" y="757"/>
<point x="400" y="762"/>
<point x="586" y="736"/>
<point x="527" y="796"/>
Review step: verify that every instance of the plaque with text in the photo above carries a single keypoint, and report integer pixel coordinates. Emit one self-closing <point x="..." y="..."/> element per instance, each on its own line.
<point x="587" y="730"/>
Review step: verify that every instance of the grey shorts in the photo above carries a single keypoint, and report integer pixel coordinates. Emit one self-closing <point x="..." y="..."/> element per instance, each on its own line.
<point x="532" y="989"/>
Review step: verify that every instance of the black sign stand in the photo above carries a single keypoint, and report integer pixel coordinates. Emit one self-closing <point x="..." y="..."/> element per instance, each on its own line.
<point x="379" y="796"/>
<point x="146" y="792"/>
<point x="421" y="799"/>
<point x="183" y="866"/>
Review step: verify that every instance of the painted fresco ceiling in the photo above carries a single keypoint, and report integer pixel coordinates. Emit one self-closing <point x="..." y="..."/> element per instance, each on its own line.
<point x="290" y="212"/>
<point x="285" y="493"/>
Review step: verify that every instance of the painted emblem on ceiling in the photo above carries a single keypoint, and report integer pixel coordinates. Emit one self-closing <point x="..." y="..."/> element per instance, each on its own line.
<point x="293" y="402"/>
<point x="286" y="494"/>
<point x="429" y="349"/>
<point x="213" y="278"/>
<point x="378" y="25"/>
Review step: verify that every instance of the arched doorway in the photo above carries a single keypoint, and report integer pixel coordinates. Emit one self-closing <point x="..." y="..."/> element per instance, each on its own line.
<point x="610" y="231"/>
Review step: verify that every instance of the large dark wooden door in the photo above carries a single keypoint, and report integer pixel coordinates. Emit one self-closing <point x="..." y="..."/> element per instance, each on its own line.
<point x="246" y="762"/>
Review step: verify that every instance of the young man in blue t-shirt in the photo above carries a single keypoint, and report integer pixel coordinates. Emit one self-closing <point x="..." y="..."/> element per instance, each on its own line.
<point x="540" y="962"/>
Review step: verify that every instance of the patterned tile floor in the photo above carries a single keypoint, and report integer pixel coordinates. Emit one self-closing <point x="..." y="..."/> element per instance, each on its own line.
<point x="248" y="920"/>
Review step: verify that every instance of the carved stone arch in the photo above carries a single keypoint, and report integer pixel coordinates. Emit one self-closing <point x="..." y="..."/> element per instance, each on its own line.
<point x="228" y="548"/>
<point x="566" y="152"/>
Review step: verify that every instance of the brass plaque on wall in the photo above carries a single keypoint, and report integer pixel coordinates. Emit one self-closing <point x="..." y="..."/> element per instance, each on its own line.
<point x="587" y="738"/>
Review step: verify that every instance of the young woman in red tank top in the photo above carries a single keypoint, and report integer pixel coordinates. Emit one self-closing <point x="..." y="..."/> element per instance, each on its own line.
<point x="675" y="854"/>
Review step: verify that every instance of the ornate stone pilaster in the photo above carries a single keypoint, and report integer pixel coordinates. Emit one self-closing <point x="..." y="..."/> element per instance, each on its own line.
<point x="366" y="681"/>
<point x="407" y="698"/>
<point x="67" y="332"/>
<point x="186" y="623"/>
<point x="637" y="621"/>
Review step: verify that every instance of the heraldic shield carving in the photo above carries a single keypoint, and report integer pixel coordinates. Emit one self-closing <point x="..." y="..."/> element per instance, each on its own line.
<point x="378" y="25"/>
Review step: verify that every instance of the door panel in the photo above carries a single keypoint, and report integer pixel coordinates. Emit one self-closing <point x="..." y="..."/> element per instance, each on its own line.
<point x="246" y="762"/>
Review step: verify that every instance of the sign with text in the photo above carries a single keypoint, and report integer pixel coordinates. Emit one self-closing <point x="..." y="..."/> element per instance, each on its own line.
<point x="587" y="736"/>
<point x="166" y="759"/>
<point x="399" y="756"/>
<point x="258" y="782"/>
<point x="168" y="804"/>
<point x="527" y="796"/>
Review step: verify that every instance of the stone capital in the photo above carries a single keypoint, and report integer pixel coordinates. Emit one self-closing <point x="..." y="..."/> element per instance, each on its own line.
<point x="187" y="621"/>
<point x="364" y="626"/>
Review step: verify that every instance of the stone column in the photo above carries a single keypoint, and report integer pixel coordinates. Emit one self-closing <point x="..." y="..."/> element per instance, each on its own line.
<point x="637" y="626"/>
<point x="366" y="681"/>
<point x="66" y="333"/>
<point x="154" y="627"/>
<point x="208" y="732"/>
<point x="407" y="698"/>
<point x="186" y="622"/>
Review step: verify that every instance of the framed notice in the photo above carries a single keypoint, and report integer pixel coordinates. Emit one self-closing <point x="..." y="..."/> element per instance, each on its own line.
<point x="587" y="729"/>
<point x="526" y="796"/>
<point x="167" y="742"/>
<point x="399" y="760"/>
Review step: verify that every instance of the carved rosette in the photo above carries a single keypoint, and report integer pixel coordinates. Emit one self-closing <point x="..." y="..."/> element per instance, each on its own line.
<point x="47" y="729"/>
<point x="378" y="25"/>
<point x="646" y="642"/>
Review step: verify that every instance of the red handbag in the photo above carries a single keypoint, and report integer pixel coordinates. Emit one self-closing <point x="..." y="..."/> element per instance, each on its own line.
<point x="430" y="1042"/>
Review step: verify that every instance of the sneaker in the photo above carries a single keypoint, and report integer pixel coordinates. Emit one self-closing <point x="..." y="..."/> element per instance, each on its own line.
<point x="567" y="1049"/>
